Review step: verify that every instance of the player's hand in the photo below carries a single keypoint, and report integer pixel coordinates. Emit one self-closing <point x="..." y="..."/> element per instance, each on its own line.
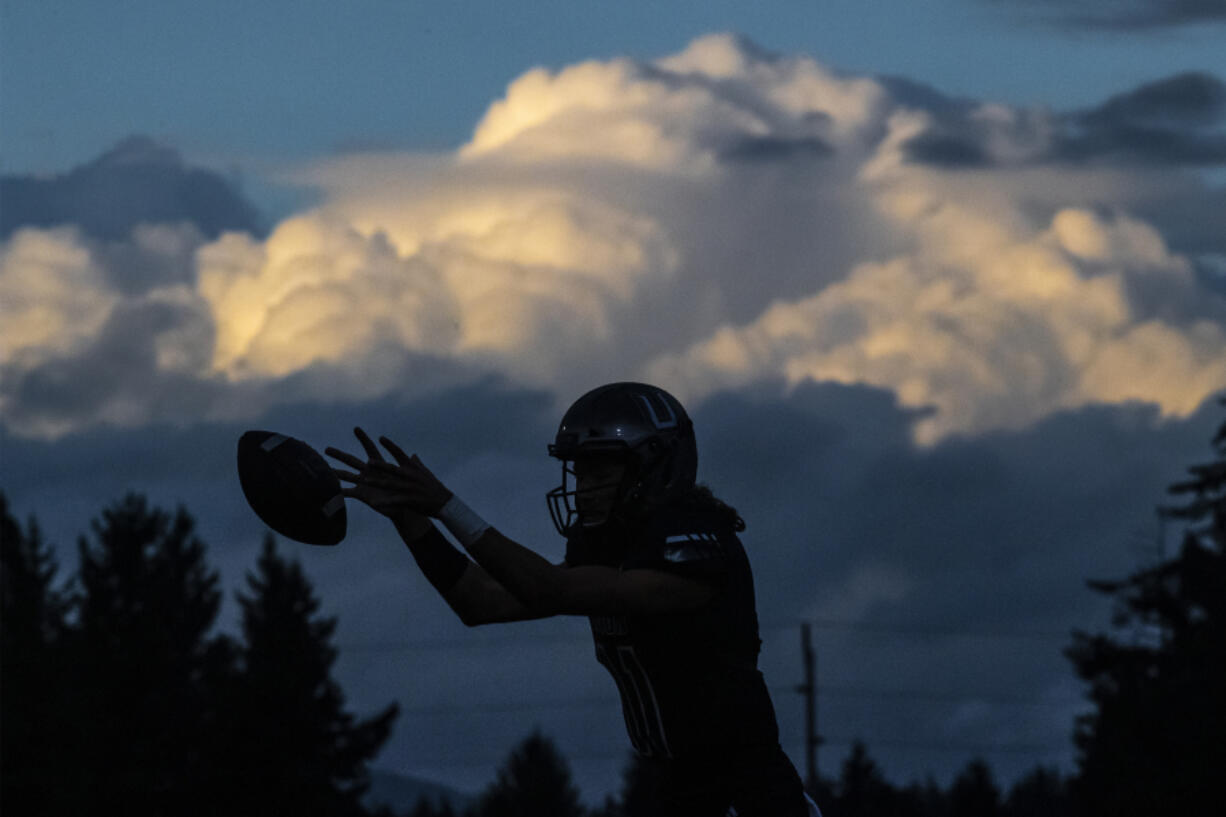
<point x="400" y="490"/>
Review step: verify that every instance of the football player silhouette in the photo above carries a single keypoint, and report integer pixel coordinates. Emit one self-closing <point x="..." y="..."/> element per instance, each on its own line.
<point x="653" y="560"/>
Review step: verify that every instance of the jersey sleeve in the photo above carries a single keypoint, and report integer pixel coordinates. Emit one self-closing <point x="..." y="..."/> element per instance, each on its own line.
<point x="686" y="547"/>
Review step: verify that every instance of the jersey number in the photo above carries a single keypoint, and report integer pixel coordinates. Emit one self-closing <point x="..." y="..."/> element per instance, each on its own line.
<point x="639" y="704"/>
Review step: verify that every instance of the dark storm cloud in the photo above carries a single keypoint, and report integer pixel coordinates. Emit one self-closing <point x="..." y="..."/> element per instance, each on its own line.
<point x="151" y="256"/>
<point x="832" y="468"/>
<point x="137" y="181"/>
<point x="915" y="94"/>
<point x="446" y="428"/>
<point x="1174" y="121"/>
<point x="953" y="571"/>
<point x="1187" y="100"/>
<point x="1123" y="15"/>
<point x="949" y="572"/>
<point x="465" y="434"/>
<point x="118" y="382"/>
<point x="1178" y="121"/>
<point x="774" y="149"/>
<point x="470" y="436"/>
<point x="947" y="150"/>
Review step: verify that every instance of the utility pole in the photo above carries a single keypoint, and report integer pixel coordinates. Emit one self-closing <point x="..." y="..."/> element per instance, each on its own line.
<point x="809" y="690"/>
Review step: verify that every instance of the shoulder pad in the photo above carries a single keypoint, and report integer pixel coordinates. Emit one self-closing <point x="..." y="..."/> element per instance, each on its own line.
<point x="683" y="541"/>
<point x="691" y="547"/>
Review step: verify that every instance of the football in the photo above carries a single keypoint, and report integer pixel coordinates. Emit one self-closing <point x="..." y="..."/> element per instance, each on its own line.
<point x="291" y="488"/>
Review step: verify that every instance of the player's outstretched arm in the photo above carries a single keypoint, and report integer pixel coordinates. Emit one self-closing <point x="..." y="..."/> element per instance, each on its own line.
<point x="540" y="588"/>
<point x="589" y="590"/>
<point x="474" y="596"/>
<point x="471" y="592"/>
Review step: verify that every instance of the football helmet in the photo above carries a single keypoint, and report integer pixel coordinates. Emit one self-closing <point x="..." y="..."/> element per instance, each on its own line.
<point x="643" y="426"/>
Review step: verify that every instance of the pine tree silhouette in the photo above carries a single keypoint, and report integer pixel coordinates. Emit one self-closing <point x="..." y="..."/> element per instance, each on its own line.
<point x="296" y="749"/>
<point x="118" y="700"/>
<point x="426" y="808"/>
<point x="145" y="604"/>
<point x="862" y="789"/>
<point x="1041" y="793"/>
<point x="1154" y="744"/>
<point x="922" y="800"/>
<point x="534" y="781"/>
<point x="974" y="792"/>
<point x="32" y="726"/>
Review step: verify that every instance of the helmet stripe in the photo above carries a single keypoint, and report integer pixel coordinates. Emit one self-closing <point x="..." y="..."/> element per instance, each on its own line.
<point x="657" y="418"/>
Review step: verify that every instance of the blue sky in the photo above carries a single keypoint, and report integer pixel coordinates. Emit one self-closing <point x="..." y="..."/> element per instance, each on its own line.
<point x="943" y="285"/>
<point x="235" y="81"/>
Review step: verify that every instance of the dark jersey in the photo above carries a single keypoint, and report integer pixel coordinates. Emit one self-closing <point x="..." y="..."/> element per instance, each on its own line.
<point x="689" y="682"/>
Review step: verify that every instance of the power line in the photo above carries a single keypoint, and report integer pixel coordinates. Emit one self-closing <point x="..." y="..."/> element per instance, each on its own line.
<point x="847" y="691"/>
<point x="456" y="642"/>
<point x="951" y="747"/>
<point x="593" y="702"/>
<point x="588" y="702"/>
<point x="936" y="632"/>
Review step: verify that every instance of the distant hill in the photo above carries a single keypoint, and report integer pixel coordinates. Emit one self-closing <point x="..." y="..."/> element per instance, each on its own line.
<point x="401" y="792"/>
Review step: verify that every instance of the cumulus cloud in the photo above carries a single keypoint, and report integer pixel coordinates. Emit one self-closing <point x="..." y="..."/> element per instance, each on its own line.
<point x="53" y="296"/>
<point x="722" y="99"/>
<point x="718" y="217"/>
<point x="992" y="328"/>
<point x="315" y="291"/>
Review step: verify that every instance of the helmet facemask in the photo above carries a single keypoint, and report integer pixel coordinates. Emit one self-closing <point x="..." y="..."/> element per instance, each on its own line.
<point x="593" y="491"/>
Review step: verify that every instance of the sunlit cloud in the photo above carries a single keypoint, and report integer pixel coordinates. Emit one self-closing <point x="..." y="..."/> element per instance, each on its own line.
<point x="316" y="291"/>
<point x="713" y="219"/>
<point x="719" y="100"/>
<point x="53" y="296"/>
<point x="992" y="328"/>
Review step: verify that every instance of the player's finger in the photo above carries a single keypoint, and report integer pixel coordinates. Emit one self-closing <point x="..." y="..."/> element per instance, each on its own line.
<point x="372" y="452"/>
<point x="345" y="476"/>
<point x="348" y="459"/>
<point x="396" y="451"/>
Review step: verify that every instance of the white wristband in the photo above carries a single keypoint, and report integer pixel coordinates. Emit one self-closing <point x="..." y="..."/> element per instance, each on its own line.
<point x="462" y="521"/>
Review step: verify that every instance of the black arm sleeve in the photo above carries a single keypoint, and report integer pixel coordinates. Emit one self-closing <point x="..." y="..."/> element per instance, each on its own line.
<point x="440" y="562"/>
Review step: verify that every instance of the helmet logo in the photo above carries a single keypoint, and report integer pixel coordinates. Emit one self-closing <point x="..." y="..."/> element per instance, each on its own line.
<point x="661" y="413"/>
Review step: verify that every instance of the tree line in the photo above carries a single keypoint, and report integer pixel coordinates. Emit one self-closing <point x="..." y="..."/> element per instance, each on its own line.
<point x="118" y="697"/>
<point x="117" y="694"/>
